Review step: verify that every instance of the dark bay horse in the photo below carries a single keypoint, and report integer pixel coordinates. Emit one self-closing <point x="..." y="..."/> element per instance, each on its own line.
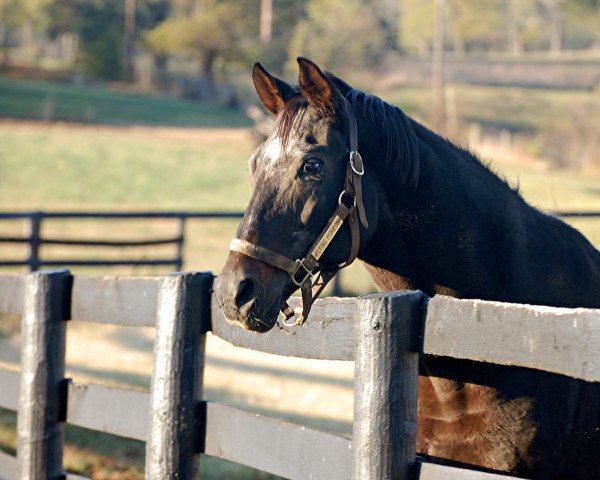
<point x="437" y="220"/>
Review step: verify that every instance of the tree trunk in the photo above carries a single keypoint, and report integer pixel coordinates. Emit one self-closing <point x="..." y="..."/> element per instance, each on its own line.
<point x="266" y="21"/>
<point x="159" y="76"/>
<point x="4" y="45"/>
<point x="514" y="38"/>
<point x="439" y="84"/>
<point x="207" y="73"/>
<point x="129" y="41"/>
<point x="556" y="32"/>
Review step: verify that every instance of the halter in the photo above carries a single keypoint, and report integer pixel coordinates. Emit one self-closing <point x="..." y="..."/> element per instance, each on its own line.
<point x="302" y="271"/>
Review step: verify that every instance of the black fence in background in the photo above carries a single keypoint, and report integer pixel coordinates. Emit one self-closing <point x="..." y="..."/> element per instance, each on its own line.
<point x="34" y="239"/>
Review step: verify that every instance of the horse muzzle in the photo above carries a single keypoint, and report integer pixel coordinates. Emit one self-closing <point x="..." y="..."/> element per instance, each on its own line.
<point x="250" y="293"/>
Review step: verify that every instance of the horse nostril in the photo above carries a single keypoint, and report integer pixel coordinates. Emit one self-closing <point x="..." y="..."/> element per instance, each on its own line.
<point x="246" y="292"/>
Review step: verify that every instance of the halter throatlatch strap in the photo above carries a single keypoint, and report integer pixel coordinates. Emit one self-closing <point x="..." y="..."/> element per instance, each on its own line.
<point x="306" y="273"/>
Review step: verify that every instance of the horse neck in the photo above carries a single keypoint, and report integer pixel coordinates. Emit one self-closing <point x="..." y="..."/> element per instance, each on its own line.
<point x="426" y="230"/>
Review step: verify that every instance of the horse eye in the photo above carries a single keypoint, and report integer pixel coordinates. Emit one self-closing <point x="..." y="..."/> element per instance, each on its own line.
<point x="311" y="167"/>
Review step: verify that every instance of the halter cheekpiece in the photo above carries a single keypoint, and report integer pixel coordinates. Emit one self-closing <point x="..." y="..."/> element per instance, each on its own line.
<point x="306" y="272"/>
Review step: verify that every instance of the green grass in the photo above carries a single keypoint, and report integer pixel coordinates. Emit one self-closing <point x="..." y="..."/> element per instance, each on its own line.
<point x="75" y="167"/>
<point x="39" y="100"/>
<point x="56" y="167"/>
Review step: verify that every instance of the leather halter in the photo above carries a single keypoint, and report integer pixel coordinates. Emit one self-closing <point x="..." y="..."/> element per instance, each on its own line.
<point x="302" y="271"/>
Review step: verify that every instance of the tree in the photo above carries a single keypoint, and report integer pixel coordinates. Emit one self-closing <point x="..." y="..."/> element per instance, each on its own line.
<point x="525" y="25"/>
<point x="474" y="22"/>
<point x="15" y="14"/>
<point x="216" y="32"/>
<point x="416" y="26"/>
<point x="337" y="33"/>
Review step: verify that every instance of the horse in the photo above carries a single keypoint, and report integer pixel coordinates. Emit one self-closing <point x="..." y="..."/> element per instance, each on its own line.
<point x="422" y="214"/>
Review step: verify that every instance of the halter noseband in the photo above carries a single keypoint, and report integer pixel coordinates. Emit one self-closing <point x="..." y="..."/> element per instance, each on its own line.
<point x="302" y="271"/>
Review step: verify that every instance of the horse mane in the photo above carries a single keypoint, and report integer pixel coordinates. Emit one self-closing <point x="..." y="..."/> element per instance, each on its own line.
<point x="402" y="144"/>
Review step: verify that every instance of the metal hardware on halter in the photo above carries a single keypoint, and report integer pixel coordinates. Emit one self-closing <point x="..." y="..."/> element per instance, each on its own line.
<point x="341" y="195"/>
<point x="309" y="272"/>
<point x="354" y="154"/>
<point x="312" y="284"/>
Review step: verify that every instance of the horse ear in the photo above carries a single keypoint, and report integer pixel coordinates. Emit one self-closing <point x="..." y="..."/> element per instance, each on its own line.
<point x="315" y="86"/>
<point x="272" y="92"/>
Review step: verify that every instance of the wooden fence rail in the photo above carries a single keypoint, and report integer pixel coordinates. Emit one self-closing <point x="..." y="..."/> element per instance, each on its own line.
<point x="382" y="333"/>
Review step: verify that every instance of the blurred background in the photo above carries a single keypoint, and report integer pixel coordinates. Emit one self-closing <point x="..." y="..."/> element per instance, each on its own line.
<point x="147" y="106"/>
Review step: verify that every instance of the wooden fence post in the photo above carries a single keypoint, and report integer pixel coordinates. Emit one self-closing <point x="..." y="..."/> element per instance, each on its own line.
<point x="183" y="317"/>
<point x="386" y="381"/>
<point x="33" y="234"/>
<point x="180" y="242"/>
<point x="42" y="401"/>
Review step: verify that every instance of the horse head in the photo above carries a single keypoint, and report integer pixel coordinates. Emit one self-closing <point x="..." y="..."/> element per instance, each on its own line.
<point x="311" y="205"/>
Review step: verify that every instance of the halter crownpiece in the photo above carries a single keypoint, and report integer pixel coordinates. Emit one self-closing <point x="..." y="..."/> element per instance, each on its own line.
<point x="305" y="273"/>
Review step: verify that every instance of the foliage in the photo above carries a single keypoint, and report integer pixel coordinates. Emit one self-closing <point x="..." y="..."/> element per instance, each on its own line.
<point x="217" y="33"/>
<point x="475" y="22"/>
<point x="99" y="26"/>
<point x="416" y="25"/>
<point x="337" y="33"/>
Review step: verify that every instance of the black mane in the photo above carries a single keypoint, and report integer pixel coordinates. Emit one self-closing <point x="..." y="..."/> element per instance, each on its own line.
<point x="402" y="144"/>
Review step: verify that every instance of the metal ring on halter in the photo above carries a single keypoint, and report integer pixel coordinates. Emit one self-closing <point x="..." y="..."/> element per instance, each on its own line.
<point x="340" y="198"/>
<point x="354" y="154"/>
<point x="299" y="321"/>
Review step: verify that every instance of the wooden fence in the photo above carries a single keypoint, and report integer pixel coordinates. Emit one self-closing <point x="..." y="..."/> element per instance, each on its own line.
<point x="384" y="334"/>
<point x="35" y="240"/>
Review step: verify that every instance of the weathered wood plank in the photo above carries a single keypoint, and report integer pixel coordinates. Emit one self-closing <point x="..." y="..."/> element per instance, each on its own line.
<point x="558" y="340"/>
<point x="118" y="411"/>
<point x="40" y="434"/>
<point x="430" y="471"/>
<point x="385" y="385"/>
<point x="183" y="310"/>
<point x="9" y="389"/>
<point x="328" y="334"/>
<point x="8" y="466"/>
<point x="11" y="293"/>
<point x="276" y="446"/>
<point x="115" y="300"/>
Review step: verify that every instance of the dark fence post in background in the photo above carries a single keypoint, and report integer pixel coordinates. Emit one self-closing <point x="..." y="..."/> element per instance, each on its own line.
<point x="33" y="234"/>
<point x="174" y="435"/>
<point x="180" y="242"/>
<point x="42" y="389"/>
<point x="386" y="381"/>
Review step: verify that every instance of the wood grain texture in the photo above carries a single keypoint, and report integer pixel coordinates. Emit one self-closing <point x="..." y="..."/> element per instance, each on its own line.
<point x="430" y="471"/>
<point x="328" y="334"/>
<point x="385" y="385"/>
<point x="9" y="389"/>
<point x="11" y="293"/>
<point x="172" y="448"/>
<point x="118" y="411"/>
<point x="276" y="446"/>
<point x="558" y="340"/>
<point x="40" y="436"/>
<point x="115" y="300"/>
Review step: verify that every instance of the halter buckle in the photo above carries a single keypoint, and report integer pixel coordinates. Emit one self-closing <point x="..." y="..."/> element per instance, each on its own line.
<point x="354" y="155"/>
<point x="307" y="275"/>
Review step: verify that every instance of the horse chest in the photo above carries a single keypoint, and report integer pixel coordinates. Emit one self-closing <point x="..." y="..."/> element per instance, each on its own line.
<point x="470" y="424"/>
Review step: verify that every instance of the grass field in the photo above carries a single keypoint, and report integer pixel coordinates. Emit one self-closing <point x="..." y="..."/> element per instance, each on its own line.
<point x="41" y="100"/>
<point x="64" y="166"/>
